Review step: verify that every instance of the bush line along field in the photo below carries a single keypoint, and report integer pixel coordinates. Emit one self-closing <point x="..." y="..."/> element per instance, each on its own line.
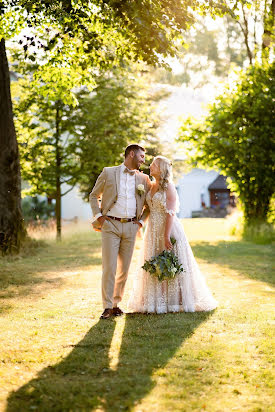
<point x="56" y="355"/>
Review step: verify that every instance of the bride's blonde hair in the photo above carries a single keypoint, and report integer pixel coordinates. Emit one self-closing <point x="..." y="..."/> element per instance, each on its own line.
<point x="166" y="174"/>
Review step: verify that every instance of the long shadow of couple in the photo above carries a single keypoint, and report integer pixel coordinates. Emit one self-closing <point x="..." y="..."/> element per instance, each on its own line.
<point x="84" y="381"/>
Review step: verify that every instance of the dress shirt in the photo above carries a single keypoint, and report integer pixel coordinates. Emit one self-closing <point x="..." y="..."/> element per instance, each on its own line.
<point x="126" y="205"/>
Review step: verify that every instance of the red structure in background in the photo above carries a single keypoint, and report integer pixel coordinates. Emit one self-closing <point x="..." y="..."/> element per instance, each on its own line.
<point x="220" y="195"/>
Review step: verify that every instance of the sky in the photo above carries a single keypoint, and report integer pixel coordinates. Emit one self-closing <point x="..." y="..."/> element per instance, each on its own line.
<point x="185" y="101"/>
<point x="182" y="102"/>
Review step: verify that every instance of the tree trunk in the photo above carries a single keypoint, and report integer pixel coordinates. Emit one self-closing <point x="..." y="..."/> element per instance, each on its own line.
<point x="245" y="33"/>
<point x="268" y="30"/>
<point x="12" y="229"/>
<point x="58" y="174"/>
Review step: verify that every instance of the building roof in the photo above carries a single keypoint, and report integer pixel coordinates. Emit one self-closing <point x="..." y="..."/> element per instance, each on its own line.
<point x="219" y="183"/>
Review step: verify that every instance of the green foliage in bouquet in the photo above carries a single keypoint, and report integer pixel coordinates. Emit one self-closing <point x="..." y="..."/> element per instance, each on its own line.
<point x="165" y="266"/>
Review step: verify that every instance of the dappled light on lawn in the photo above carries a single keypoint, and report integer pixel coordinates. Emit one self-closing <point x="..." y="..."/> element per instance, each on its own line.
<point x="115" y="346"/>
<point x="58" y="355"/>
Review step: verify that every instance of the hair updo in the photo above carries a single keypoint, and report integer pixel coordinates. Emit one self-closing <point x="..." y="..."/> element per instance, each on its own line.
<point x="166" y="174"/>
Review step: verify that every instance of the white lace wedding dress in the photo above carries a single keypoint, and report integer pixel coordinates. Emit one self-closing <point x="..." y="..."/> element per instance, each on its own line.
<point x="188" y="292"/>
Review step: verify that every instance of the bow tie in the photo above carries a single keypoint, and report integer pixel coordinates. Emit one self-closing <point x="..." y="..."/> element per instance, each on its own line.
<point x="131" y="172"/>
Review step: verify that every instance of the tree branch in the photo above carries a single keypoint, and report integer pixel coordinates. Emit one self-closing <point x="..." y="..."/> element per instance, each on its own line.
<point x="66" y="181"/>
<point x="69" y="190"/>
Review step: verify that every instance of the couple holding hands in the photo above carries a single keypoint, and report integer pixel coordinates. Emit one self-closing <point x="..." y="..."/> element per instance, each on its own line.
<point x="128" y="199"/>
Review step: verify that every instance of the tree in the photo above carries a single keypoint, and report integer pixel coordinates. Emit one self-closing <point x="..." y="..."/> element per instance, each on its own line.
<point x="244" y="35"/>
<point x="43" y="106"/>
<point x="11" y="221"/>
<point x="256" y="22"/>
<point x="237" y="137"/>
<point x="62" y="143"/>
<point x="47" y="149"/>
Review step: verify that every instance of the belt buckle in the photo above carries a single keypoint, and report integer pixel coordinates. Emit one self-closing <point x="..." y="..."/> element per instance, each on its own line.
<point x="122" y="220"/>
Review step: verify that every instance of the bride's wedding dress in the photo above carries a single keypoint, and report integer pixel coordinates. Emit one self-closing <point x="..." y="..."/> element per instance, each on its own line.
<point x="188" y="291"/>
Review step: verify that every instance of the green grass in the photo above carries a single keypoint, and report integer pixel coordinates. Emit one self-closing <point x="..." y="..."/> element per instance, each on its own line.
<point x="56" y="355"/>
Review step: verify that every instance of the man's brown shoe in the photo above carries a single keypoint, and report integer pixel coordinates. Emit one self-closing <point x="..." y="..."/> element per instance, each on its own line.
<point x="117" y="311"/>
<point x="107" y="314"/>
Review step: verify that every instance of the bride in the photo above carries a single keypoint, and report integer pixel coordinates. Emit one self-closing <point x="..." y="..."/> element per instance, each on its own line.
<point x="188" y="291"/>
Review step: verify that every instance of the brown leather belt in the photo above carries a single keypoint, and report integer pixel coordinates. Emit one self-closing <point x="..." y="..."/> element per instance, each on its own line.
<point x="122" y="219"/>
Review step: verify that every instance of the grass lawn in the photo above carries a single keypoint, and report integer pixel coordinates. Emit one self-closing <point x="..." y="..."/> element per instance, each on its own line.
<point x="56" y="355"/>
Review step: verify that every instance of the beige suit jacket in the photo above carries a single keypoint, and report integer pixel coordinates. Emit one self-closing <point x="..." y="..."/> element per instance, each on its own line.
<point x="106" y="189"/>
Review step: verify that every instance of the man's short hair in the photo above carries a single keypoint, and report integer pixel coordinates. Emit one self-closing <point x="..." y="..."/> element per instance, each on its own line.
<point x="133" y="147"/>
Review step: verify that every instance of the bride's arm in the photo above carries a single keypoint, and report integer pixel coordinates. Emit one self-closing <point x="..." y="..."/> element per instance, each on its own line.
<point x="171" y="200"/>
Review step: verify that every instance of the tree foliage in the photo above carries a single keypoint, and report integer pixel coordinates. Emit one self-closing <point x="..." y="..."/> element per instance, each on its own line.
<point x="37" y="119"/>
<point x="106" y="31"/>
<point x="35" y="209"/>
<point x="121" y="110"/>
<point x="62" y="145"/>
<point x="237" y="137"/>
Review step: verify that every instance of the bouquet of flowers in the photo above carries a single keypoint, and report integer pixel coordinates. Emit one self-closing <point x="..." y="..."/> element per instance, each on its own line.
<point x="164" y="266"/>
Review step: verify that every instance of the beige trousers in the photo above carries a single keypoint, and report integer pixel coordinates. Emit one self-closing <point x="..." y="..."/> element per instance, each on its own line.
<point x="118" y="241"/>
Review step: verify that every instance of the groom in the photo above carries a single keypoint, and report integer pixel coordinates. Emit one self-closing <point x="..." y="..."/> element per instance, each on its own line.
<point x="122" y="190"/>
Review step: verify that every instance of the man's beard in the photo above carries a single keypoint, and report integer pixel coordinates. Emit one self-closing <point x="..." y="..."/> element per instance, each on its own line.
<point x="136" y="163"/>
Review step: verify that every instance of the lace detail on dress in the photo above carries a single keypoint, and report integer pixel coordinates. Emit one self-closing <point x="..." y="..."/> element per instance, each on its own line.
<point x="188" y="291"/>
<point x="170" y="212"/>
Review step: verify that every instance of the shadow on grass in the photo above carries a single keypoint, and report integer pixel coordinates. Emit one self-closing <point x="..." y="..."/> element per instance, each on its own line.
<point x="20" y="274"/>
<point x="249" y="259"/>
<point x="83" y="381"/>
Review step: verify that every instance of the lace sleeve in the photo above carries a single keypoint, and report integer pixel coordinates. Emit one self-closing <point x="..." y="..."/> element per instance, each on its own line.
<point x="172" y="200"/>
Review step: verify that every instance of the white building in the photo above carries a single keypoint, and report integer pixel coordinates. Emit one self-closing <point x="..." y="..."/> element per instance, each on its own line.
<point x="193" y="191"/>
<point x="72" y="205"/>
